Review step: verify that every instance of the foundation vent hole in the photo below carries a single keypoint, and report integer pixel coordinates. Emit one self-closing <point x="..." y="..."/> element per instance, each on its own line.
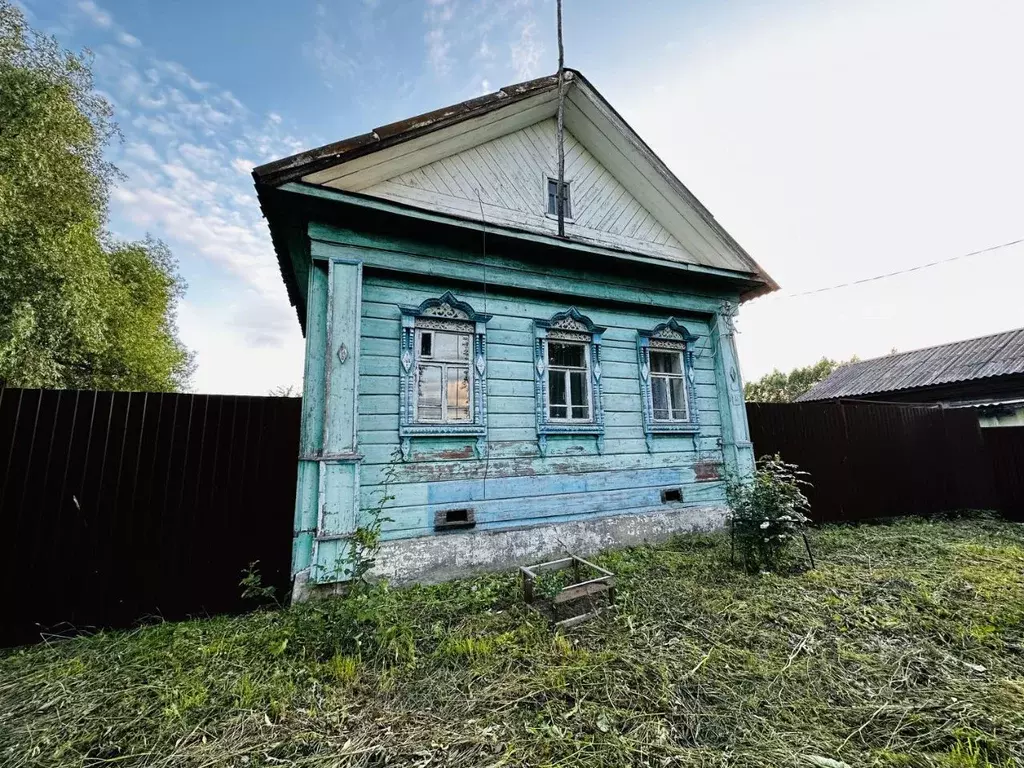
<point x="453" y="519"/>
<point x="671" y="494"/>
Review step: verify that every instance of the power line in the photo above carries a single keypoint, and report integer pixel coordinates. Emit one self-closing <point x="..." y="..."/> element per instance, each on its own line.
<point x="901" y="271"/>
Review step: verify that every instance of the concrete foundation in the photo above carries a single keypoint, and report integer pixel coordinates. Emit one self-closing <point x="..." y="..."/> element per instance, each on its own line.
<point x="433" y="559"/>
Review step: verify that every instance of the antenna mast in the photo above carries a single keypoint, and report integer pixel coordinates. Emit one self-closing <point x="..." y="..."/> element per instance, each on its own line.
<point x="560" y="191"/>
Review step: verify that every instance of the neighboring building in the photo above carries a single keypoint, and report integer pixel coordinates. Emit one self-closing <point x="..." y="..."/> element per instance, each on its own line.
<point x="526" y="393"/>
<point x="986" y="373"/>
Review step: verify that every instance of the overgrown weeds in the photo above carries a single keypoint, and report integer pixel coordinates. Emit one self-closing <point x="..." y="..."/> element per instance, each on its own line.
<point x="905" y="647"/>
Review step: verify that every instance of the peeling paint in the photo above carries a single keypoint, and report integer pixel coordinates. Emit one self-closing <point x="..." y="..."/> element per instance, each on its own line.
<point x="707" y="470"/>
<point x="432" y="559"/>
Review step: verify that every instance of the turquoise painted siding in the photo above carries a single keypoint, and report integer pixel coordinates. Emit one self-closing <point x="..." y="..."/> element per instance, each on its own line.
<point x="514" y="485"/>
<point x="351" y="407"/>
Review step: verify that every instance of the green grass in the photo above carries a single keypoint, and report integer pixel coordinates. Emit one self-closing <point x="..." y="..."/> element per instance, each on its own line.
<point x="905" y="647"/>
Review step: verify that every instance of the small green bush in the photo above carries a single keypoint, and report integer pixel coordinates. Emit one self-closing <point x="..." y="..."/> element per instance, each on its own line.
<point x="768" y="512"/>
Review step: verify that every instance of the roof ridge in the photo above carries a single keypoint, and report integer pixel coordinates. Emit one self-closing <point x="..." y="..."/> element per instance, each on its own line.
<point x="935" y="346"/>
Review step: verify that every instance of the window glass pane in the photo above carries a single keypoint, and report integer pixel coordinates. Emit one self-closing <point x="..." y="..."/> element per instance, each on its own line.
<point x="566" y="355"/>
<point x="428" y="393"/>
<point x="666" y="362"/>
<point x="578" y="388"/>
<point x="426" y="337"/>
<point x="659" y="394"/>
<point x="458" y="393"/>
<point x="557" y="411"/>
<point x="451" y="346"/>
<point x="553" y="198"/>
<point x="678" y="399"/>
<point x="556" y="388"/>
<point x="580" y="412"/>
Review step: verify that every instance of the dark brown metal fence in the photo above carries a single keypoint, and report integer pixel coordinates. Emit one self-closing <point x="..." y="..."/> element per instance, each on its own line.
<point x="870" y="460"/>
<point x="120" y="506"/>
<point x="115" y="507"/>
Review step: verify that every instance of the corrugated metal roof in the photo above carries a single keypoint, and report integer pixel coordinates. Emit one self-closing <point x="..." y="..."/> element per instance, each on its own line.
<point x="995" y="355"/>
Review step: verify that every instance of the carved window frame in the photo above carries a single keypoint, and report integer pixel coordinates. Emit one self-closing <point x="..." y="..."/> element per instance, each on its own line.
<point x="445" y="313"/>
<point x="571" y="326"/>
<point x="668" y="336"/>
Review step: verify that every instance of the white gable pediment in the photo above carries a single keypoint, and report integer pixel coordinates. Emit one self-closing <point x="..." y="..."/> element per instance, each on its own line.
<point x="504" y="181"/>
<point x="489" y="158"/>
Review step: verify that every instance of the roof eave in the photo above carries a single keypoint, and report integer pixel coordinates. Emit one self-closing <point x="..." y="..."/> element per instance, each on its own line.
<point x="294" y="167"/>
<point x="749" y="285"/>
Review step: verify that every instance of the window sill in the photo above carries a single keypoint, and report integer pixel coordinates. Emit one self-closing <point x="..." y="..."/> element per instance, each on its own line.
<point x="554" y="217"/>
<point x="667" y="427"/>
<point x="408" y="431"/>
<point x="570" y="428"/>
<point x="440" y="430"/>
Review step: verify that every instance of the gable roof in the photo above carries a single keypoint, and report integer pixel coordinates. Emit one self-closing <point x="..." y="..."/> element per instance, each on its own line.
<point x="997" y="355"/>
<point x="356" y="164"/>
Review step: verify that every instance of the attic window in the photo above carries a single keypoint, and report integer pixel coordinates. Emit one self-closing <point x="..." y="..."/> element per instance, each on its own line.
<point x="553" y="198"/>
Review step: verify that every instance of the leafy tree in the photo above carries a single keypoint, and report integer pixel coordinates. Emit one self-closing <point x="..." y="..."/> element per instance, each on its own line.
<point x="779" y="387"/>
<point x="77" y="309"/>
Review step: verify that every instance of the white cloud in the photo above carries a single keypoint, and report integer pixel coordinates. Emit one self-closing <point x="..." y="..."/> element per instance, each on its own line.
<point x="328" y="51"/>
<point x="242" y="165"/>
<point x="438" y="15"/>
<point x="438" y="49"/>
<point x="274" y="117"/>
<point x="130" y="40"/>
<point x="231" y="360"/>
<point x="142" y="152"/>
<point x="526" y="52"/>
<point x="97" y="15"/>
<point x="848" y="142"/>
<point x="155" y="125"/>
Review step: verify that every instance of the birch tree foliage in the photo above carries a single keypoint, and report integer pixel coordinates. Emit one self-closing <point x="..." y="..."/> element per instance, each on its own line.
<point x="78" y="309"/>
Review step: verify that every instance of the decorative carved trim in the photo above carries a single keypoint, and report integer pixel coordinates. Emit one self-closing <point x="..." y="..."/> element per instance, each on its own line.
<point x="569" y="325"/>
<point x="570" y="320"/>
<point x="445" y="313"/>
<point x="670" y="335"/>
<point x="444" y="309"/>
<point x="669" y="331"/>
<point x="568" y="336"/>
<point x="459" y="326"/>
<point x="728" y="311"/>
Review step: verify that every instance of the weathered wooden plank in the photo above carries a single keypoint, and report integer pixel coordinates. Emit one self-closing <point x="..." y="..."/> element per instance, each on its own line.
<point x="421" y="471"/>
<point x="342" y="357"/>
<point x="445" y="261"/>
<point x="556" y="508"/>
<point x="580" y="591"/>
<point x="455" y="492"/>
<point x="390" y="293"/>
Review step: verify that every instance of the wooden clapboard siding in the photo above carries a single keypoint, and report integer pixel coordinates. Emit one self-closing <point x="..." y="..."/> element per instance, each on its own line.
<point x="504" y="181"/>
<point x="515" y="485"/>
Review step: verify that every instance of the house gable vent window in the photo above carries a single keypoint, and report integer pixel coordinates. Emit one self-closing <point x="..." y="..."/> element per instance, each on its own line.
<point x="568" y="377"/>
<point x="552" y="195"/>
<point x="667" y="381"/>
<point x="443" y="389"/>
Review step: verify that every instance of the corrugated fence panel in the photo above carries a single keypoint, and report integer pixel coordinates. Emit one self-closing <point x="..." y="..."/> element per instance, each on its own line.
<point x="115" y="507"/>
<point x="870" y="460"/>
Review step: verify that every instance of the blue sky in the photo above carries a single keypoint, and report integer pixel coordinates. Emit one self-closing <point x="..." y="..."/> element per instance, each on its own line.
<point x="835" y="140"/>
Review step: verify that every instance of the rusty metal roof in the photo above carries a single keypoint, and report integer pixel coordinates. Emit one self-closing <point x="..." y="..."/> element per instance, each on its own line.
<point x="296" y="166"/>
<point x="997" y="355"/>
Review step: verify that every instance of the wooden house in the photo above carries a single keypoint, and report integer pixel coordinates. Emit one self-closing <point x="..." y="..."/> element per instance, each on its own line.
<point x="512" y="393"/>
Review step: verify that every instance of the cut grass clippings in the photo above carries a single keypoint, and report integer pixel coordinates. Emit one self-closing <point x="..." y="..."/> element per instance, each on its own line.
<point x="905" y="647"/>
